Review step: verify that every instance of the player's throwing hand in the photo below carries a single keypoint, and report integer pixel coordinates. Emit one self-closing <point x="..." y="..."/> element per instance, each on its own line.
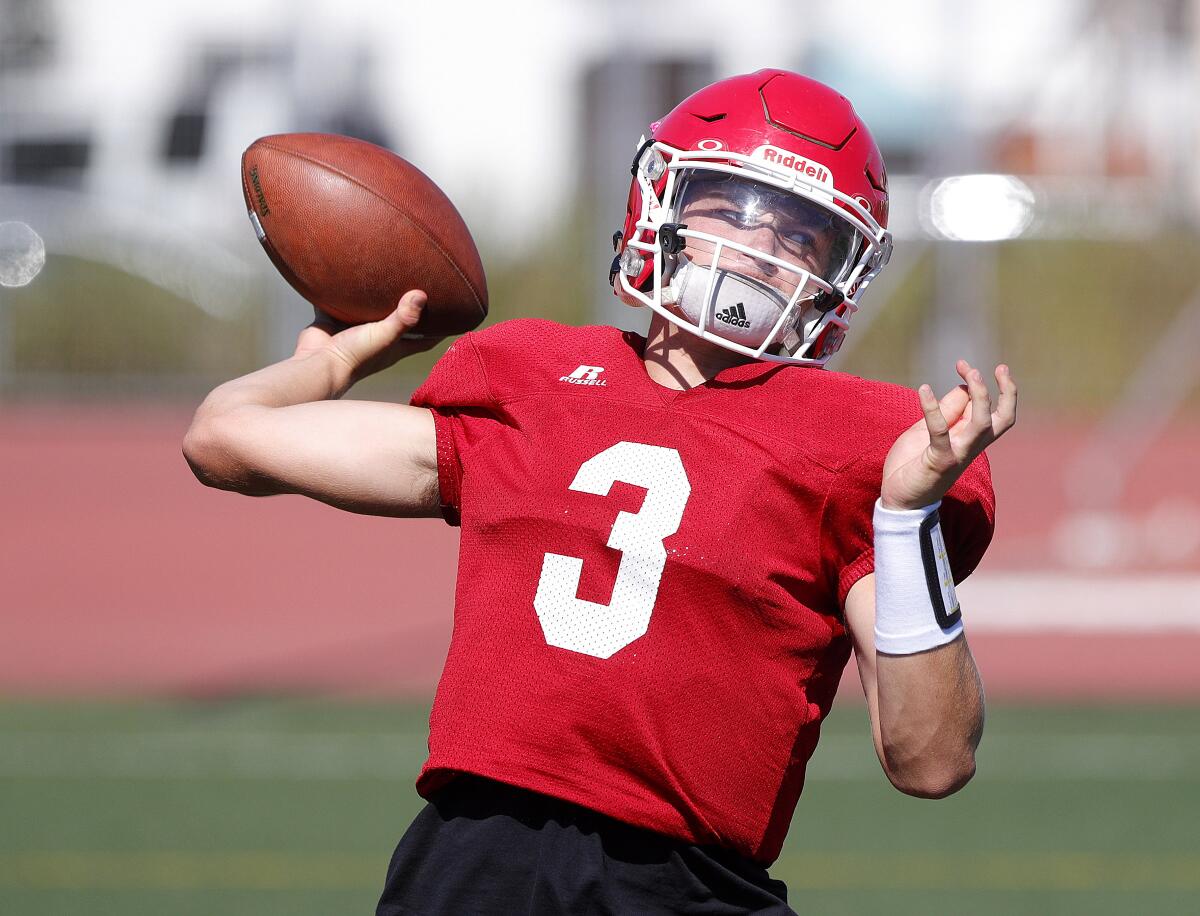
<point x="371" y="347"/>
<point x="931" y="454"/>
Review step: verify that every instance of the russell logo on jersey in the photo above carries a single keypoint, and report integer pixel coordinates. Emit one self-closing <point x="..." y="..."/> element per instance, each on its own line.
<point x="585" y="375"/>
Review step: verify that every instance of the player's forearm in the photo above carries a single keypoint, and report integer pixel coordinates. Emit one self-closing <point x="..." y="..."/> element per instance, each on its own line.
<point x="316" y="376"/>
<point x="929" y="714"/>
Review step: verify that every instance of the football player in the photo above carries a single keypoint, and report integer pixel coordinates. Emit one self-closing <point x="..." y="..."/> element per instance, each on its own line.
<point x="670" y="545"/>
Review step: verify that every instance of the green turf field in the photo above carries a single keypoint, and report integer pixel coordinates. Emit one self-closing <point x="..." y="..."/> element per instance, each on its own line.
<point x="282" y="806"/>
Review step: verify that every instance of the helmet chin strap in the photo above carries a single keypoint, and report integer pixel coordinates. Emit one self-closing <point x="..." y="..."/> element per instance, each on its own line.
<point x="743" y="310"/>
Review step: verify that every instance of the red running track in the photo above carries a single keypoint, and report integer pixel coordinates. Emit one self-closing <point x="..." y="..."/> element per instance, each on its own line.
<point x="120" y="574"/>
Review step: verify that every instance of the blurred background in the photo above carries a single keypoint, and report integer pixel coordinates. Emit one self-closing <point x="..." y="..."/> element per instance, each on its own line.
<point x="213" y="704"/>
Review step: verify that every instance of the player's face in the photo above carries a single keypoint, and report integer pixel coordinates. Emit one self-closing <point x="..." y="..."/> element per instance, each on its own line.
<point x="766" y="219"/>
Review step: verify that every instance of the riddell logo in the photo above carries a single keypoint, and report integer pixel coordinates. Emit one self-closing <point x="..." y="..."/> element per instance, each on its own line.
<point x="585" y="375"/>
<point x="813" y="171"/>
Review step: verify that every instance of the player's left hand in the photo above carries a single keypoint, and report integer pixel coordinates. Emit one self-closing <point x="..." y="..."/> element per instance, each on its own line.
<point x="932" y="453"/>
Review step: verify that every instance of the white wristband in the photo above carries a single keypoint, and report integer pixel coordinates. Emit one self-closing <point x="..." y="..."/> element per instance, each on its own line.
<point x="915" y="605"/>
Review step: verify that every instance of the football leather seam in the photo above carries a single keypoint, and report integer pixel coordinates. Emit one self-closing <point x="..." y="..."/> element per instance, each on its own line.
<point x="424" y="231"/>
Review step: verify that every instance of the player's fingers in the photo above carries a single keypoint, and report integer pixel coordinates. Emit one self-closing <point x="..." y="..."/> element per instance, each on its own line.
<point x="981" y="403"/>
<point x="935" y="423"/>
<point x="954" y="402"/>
<point x="408" y="311"/>
<point x="1006" y="407"/>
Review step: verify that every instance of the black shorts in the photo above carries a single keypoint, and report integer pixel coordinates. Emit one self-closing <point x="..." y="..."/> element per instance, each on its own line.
<point x="482" y="847"/>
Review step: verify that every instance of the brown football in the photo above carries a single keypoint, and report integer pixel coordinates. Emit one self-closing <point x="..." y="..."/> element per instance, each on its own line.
<point x="352" y="227"/>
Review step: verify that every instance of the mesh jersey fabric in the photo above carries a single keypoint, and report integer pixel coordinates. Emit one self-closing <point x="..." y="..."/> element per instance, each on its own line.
<point x="648" y="610"/>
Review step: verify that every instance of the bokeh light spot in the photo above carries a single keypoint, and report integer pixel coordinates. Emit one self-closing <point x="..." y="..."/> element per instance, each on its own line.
<point x="22" y="254"/>
<point x="981" y="208"/>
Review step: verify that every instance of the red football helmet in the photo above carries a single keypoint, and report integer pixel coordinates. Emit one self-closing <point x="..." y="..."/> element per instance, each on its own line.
<point x="757" y="216"/>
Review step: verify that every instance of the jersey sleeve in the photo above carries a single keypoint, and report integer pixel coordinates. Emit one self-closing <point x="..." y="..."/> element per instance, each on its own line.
<point x="464" y="414"/>
<point x="968" y="513"/>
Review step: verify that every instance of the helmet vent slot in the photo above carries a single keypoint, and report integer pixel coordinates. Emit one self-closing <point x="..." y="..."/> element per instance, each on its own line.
<point x="709" y="118"/>
<point x="836" y="147"/>
<point x="875" y="183"/>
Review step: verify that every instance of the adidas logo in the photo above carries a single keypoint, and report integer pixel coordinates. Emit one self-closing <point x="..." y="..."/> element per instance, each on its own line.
<point x="734" y="315"/>
<point x="585" y="375"/>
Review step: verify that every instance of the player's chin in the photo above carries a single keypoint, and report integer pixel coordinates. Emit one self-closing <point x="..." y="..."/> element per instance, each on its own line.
<point x="627" y="298"/>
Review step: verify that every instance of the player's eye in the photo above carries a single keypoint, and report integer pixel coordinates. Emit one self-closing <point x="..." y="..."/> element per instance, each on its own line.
<point x="739" y="218"/>
<point x="802" y="238"/>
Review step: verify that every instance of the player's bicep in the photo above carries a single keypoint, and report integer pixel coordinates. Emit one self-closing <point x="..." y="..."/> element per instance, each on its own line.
<point x="362" y="456"/>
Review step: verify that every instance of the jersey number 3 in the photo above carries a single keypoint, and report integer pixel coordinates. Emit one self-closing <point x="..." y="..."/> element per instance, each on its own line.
<point x="601" y="630"/>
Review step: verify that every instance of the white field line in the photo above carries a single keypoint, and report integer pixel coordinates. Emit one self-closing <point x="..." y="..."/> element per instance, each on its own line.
<point x="1004" y="757"/>
<point x="1015" y="602"/>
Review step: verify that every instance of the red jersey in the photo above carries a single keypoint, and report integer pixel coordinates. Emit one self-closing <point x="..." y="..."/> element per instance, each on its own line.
<point x="648" y="618"/>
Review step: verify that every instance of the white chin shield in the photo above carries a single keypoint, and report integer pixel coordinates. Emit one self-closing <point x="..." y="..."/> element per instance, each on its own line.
<point x="739" y="309"/>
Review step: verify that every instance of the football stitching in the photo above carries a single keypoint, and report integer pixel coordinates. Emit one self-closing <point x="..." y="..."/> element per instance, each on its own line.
<point x="425" y="232"/>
